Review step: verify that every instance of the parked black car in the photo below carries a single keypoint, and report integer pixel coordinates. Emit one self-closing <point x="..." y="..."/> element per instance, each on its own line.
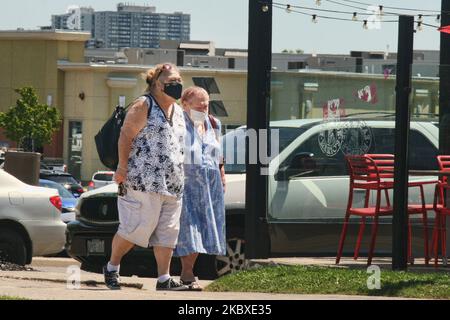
<point x="64" y="179"/>
<point x="89" y="241"/>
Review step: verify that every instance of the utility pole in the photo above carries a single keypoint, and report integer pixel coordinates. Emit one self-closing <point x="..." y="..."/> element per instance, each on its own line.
<point x="444" y="83"/>
<point x="402" y="119"/>
<point x="258" y="102"/>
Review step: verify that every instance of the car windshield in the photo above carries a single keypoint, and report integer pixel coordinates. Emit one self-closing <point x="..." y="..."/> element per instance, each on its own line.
<point x="63" y="193"/>
<point x="104" y="177"/>
<point x="233" y="144"/>
<point x="62" y="179"/>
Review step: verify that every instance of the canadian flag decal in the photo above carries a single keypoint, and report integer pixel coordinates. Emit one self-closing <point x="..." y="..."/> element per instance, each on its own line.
<point x="333" y="109"/>
<point x="368" y="94"/>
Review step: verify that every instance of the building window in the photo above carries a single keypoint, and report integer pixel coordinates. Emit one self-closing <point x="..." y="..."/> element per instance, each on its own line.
<point x="75" y="148"/>
<point x="296" y="65"/>
<point x="217" y="108"/>
<point x="209" y="84"/>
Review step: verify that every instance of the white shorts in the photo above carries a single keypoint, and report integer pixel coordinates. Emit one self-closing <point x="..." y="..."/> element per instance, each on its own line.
<point x="149" y="219"/>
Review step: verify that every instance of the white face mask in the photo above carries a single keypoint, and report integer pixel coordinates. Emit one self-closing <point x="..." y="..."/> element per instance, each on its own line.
<point x="197" y="117"/>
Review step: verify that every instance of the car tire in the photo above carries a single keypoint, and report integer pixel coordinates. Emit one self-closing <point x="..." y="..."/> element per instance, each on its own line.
<point x="212" y="266"/>
<point x="12" y="247"/>
<point x="92" y="267"/>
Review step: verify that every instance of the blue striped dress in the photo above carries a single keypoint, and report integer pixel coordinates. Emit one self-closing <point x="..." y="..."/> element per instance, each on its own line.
<point x="202" y="222"/>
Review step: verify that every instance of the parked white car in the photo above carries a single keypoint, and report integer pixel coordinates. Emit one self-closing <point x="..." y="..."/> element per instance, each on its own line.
<point x="101" y="179"/>
<point x="30" y="221"/>
<point x="60" y="167"/>
<point x="309" y="177"/>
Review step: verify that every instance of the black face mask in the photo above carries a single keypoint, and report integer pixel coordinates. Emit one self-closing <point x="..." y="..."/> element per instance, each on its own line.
<point x="173" y="89"/>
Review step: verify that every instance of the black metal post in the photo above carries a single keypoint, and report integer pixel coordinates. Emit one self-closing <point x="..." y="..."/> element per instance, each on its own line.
<point x="402" y="118"/>
<point x="258" y="101"/>
<point x="444" y="83"/>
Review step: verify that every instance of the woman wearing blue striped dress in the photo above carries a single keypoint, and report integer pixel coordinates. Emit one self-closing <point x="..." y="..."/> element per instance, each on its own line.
<point x="202" y="222"/>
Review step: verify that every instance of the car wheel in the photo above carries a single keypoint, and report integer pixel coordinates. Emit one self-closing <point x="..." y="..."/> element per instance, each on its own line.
<point x="12" y="247"/>
<point x="234" y="260"/>
<point x="212" y="267"/>
<point x="92" y="267"/>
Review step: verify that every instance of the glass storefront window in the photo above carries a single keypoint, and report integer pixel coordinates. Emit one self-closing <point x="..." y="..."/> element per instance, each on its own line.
<point x="341" y="105"/>
<point x="75" y="148"/>
<point x="340" y="114"/>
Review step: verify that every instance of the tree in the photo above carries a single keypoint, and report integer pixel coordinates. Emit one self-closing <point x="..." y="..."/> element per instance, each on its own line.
<point x="30" y="123"/>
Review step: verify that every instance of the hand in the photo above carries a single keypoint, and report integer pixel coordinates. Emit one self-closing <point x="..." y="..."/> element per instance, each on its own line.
<point x="120" y="176"/>
<point x="222" y="176"/>
<point x="224" y="184"/>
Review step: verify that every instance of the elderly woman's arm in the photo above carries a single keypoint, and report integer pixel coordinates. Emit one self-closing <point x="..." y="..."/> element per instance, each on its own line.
<point x="223" y="177"/>
<point x="135" y="120"/>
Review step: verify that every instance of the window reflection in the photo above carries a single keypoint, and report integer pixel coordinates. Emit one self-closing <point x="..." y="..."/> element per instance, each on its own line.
<point x="75" y="148"/>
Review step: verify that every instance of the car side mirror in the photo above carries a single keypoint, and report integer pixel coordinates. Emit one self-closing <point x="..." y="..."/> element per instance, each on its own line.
<point x="301" y="164"/>
<point x="303" y="161"/>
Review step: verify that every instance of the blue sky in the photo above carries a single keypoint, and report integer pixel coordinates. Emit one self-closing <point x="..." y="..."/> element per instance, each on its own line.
<point x="226" y="23"/>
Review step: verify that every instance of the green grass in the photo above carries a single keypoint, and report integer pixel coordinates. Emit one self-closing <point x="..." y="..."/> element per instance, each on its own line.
<point x="329" y="280"/>
<point x="11" y="298"/>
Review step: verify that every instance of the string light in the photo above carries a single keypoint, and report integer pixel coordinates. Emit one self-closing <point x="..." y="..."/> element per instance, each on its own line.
<point x="276" y="4"/>
<point x="336" y="2"/>
<point x="354" y="15"/>
<point x="419" y="26"/>
<point x="393" y="8"/>
<point x="265" y="8"/>
<point x="283" y="6"/>
<point x="318" y="2"/>
<point x="381" y="10"/>
<point x="365" y="25"/>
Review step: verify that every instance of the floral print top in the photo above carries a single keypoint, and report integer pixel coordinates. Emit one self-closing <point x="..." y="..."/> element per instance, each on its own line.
<point x="156" y="158"/>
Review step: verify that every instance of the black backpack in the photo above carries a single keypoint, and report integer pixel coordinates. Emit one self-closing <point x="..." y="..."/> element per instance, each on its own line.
<point x="107" y="139"/>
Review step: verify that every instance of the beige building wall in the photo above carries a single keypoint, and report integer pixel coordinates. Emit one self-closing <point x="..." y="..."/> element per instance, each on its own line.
<point x="27" y="63"/>
<point x="30" y="58"/>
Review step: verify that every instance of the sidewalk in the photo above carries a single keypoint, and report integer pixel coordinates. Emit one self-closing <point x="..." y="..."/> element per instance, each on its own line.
<point x="48" y="281"/>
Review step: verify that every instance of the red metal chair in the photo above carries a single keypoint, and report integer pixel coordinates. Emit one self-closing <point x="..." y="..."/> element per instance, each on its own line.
<point x="442" y="211"/>
<point x="364" y="175"/>
<point x="376" y="172"/>
<point x="385" y="163"/>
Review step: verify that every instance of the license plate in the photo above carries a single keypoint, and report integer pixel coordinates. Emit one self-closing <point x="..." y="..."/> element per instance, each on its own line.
<point x="96" y="246"/>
